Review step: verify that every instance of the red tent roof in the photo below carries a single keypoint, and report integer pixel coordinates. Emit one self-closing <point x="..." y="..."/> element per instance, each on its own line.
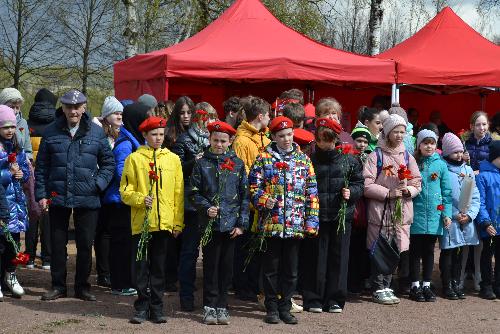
<point x="248" y="42"/>
<point x="446" y="51"/>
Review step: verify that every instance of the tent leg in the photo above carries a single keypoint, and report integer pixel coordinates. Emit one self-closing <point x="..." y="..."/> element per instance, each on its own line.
<point x="395" y="93"/>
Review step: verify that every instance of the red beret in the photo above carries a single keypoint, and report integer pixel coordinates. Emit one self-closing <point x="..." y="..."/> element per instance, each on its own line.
<point x="219" y="126"/>
<point x="280" y="123"/>
<point x="310" y="110"/>
<point x="303" y="137"/>
<point x="329" y="123"/>
<point x="152" y="123"/>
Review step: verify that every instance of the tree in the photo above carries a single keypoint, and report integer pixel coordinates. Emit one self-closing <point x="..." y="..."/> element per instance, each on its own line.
<point x="86" y="37"/>
<point x="375" y="27"/>
<point x="130" y="32"/>
<point x="24" y="37"/>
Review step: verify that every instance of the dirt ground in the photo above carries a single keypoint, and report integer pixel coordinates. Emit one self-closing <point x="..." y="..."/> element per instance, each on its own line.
<point x="110" y="314"/>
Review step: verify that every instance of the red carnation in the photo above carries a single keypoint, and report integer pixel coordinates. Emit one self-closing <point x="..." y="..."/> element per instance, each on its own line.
<point x="404" y="173"/>
<point x="151" y="164"/>
<point x="53" y="194"/>
<point x="21" y="258"/>
<point x="440" y="207"/>
<point x="228" y="165"/>
<point x="12" y="158"/>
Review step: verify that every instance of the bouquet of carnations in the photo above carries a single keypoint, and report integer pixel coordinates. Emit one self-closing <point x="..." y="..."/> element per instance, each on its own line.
<point x="345" y="150"/>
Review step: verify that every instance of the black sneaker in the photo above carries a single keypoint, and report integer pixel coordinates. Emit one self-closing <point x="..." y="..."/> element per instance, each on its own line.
<point x="272" y="318"/>
<point x="157" y="317"/>
<point x="496" y="291"/>
<point x="104" y="281"/>
<point x="416" y="294"/>
<point x="428" y="294"/>
<point x="139" y="317"/>
<point x="458" y="291"/>
<point x="486" y="292"/>
<point x="448" y="291"/>
<point x="288" y="318"/>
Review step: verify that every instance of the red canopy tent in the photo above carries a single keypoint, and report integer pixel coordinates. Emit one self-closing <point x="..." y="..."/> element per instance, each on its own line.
<point x="446" y="51"/>
<point x="246" y="44"/>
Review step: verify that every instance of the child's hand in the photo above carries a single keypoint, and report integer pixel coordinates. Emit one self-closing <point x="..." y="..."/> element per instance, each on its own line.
<point x="462" y="218"/>
<point x="18" y="175"/>
<point x="447" y="222"/>
<point x="271" y="202"/>
<point x="14" y="168"/>
<point x="44" y="204"/>
<point x="148" y="201"/>
<point x="212" y="211"/>
<point x="236" y="232"/>
<point x="198" y="156"/>
<point x="346" y="193"/>
<point x="491" y="230"/>
<point x="466" y="157"/>
<point x="395" y="193"/>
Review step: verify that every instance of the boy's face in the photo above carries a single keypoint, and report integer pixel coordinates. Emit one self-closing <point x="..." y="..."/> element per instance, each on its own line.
<point x="155" y="137"/>
<point x="361" y="144"/>
<point x="219" y="142"/>
<point x="284" y="139"/>
<point x="264" y="119"/>
<point x="325" y="145"/>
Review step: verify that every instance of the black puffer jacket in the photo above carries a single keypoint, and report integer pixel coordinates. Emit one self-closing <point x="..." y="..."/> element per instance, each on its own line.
<point x="42" y="112"/>
<point x="78" y="169"/>
<point x="187" y="146"/>
<point x="233" y="202"/>
<point x="330" y="168"/>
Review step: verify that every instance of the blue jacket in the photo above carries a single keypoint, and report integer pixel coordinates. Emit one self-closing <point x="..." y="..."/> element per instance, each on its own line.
<point x="76" y="168"/>
<point x="16" y="201"/>
<point x="125" y="144"/>
<point x="478" y="150"/>
<point x="466" y="234"/>
<point x="436" y="190"/>
<point x="488" y="183"/>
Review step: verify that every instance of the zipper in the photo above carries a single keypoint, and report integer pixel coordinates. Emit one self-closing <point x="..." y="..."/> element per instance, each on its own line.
<point x="161" y="180"/>
<point x="126" y="183"/>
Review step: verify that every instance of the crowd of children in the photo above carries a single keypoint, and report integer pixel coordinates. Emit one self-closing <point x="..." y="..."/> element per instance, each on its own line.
<point x="282" y="203"/>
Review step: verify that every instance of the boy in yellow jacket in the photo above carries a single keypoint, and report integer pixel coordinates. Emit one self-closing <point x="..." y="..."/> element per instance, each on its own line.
<point x="165" y="210"/>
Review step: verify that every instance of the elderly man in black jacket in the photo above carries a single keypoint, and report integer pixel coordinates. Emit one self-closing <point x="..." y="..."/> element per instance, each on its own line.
<point x="74" y="165"/>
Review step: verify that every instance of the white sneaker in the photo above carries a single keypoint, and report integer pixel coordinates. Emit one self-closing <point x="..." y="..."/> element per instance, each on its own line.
<point x="261" y="300"/>
<point x="1" y="294"/>
<point x="390" y="294"/>
<point x="13" y="284"/>
<point x="296" y="308"/>
<point x="382" y="297"/>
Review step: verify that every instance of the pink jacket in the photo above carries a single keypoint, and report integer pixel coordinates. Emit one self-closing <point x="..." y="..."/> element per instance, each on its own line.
<point x="377" y="189"/>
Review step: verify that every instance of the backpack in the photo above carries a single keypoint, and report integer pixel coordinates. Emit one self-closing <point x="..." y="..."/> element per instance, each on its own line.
<point x="380" y="160"/>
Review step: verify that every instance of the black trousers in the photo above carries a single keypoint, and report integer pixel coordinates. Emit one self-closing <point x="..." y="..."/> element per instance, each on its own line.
<point x="172" y="260"/>
<point x="120" y="247"/>
<point x="359" y="261"/>
<point x="325" y="275"/>
<point x="102" y="240"/>
<point x="422" y="248"/>
<point x="218" y="257"/>
<point x="490" y="277"/>
<point x="7" y="253"/>
<point x="450" y="264"/>
<point x="280" y="266"/>
<point x="246" y="281"/>
<point x="189" y="255"/>
<point x="150" y="273"/>
<point x="85" y="225"/>
<point x="41" y="225"/>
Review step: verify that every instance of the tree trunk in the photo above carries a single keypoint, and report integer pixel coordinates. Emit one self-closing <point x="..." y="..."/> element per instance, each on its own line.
<point x="19" y="43"/>
<point x="130" y="32"/>
<point x="86" y="50"/>
<point x="374" y="27"/>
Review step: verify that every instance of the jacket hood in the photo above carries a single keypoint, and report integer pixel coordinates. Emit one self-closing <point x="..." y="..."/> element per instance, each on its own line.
<point x="486" y="166"/>
<point x="325" y="156"/>
<point x="248" y="130"/>
<point x="133" y="115"/>
<point x="148" y="151"/>
<point x="212" y="156"/>
<point x="42" y="112"/>
<point x="45" y="95"/>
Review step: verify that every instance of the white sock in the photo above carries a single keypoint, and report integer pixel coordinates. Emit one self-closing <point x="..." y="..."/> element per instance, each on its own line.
<point x="415" y="284"/>
<point x="427" y="284"/>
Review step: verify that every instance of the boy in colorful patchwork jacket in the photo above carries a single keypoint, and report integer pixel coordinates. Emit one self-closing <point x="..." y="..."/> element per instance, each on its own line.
<point x="488" y="183"/>
<point x="283" y="189"/>
<point x="219" y="191"/>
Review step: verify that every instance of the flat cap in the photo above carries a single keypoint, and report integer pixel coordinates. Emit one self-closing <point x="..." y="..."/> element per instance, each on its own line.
<point x="73" y="97"/>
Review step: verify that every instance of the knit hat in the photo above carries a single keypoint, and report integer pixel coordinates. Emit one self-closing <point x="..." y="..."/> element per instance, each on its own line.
<point x="361" y="132"/>
<point x="148" y="100"/>
<point x="9" y="94"/>
<point x="424" y="134"/>
<point x="45" y="95"/>
<point x="451" y="144"/>
<point x="110" y="105"/>
<point x="391" y="122"/>
<point x="7" y="116"/>
<point x="396" y="109"/>
<point x="494" y="150"/>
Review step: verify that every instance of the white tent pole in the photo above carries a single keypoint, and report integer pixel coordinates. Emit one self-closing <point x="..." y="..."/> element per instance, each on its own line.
<point x="395" y="93"/>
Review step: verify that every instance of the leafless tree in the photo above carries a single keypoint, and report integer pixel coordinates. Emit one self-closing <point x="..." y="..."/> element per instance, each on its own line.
<point x="375" y="26"/>
<point x="130" y="32"/>
<point x="25" y="29"/>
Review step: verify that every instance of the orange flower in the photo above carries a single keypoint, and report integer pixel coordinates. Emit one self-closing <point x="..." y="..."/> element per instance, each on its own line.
<point x="388" y="170"/>
<point x="434" y="176"/>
